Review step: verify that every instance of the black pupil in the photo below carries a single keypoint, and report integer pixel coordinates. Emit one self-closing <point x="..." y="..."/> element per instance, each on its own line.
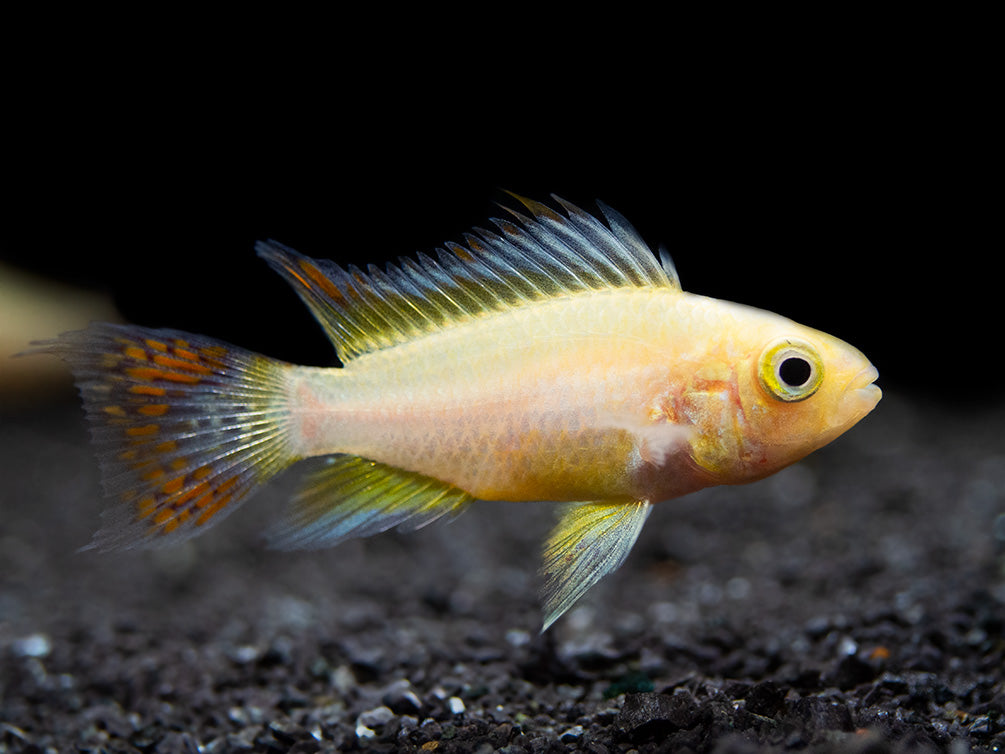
<point x="794" y="371"/>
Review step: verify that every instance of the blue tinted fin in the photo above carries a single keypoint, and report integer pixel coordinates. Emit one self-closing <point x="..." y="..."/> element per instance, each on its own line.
<point x="353" y="497"/>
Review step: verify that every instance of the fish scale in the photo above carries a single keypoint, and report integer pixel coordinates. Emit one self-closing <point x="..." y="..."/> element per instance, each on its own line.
<point x="553" y="358"/>
<point x="401" y="434"/>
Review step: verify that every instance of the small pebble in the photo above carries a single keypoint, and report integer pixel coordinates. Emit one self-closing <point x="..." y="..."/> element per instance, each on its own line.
<point x="766" y="699"/>
<point x="244" y="654"/>
<point x="342" y="680"/>
<point x="847" y="646"/>
<point x="33" y="645"/>
<point x="517" y="637"/>
<point x="401" y="698"/>
<point x="572" y="734"/>
<point x="374" y="718"/>
<point x="648" y="715"/>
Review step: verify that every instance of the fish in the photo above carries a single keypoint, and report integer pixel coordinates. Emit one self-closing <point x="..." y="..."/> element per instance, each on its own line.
<point x="551" y="358"/>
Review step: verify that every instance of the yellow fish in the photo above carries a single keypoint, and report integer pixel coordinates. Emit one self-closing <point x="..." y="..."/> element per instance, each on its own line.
<point x="552" y="359"/>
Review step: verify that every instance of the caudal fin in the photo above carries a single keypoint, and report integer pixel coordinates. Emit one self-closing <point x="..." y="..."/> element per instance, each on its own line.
<point x="186" y="427"/>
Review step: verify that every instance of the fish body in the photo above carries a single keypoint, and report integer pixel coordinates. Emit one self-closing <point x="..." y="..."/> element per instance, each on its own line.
<point x="627" y="394"/>
<point x="553" y="360"/>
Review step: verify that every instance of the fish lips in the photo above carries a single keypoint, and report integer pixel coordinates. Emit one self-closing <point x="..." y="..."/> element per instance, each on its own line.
<point x="863" y="390"/>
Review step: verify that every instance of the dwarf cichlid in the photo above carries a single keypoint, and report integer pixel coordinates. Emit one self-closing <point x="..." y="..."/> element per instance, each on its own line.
<point x="552" y="359"/>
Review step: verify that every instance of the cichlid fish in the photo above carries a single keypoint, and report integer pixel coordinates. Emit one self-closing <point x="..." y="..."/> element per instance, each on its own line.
<point x="553" y="359"/>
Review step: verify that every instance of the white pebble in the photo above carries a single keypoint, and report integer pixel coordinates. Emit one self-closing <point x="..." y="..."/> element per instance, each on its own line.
<point x="34" y="645"/>
<point x="367" y="721"/>
<point x="376" y="716"/>
<point x="517" y="637"/>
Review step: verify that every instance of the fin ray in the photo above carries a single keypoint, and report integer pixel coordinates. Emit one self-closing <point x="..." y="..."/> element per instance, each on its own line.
<point x="352" y="497"/>
<point x="544" y="255"/>
<point x="589" y="541"/>
<point x="185" y="427"/>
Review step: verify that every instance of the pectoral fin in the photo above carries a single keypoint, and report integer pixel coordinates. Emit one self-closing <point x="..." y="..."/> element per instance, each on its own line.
<point x="590" y="541"/>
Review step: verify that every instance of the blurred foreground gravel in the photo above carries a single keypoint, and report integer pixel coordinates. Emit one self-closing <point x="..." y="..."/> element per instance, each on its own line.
<point x="855" y="602"/>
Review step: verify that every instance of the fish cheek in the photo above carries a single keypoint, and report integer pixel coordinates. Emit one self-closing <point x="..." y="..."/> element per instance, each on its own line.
<point x="765" y="434"/>
<point x="718" y="444"/>
<point x="781" y="433"/>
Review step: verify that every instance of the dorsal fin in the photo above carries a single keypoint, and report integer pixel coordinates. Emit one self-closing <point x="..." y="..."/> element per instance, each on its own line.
<point x="546" y="255"/>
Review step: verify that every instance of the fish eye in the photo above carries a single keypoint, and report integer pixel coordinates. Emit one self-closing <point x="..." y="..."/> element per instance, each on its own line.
<point x="790" y="369"/>
<point x="795" y="371"/>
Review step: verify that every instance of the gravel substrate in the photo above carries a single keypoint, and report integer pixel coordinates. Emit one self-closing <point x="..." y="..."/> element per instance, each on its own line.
<point x="855" y="602"/>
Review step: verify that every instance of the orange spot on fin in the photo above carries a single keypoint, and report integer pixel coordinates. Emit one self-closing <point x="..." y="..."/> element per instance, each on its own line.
<point x="170" y="525"/>
<point x="145" y="507"/>
<point x="212" y="510"/>
<point x="223" y="487"/>
<point x="150" y="374"/>
<point x="321" y="280"/>
<point x="186" y="426"/>
<point x="147" y="390"/>
<point x="182" y="353"/>
<point x="167" y="361"/>
<point x="163" y="515"/>
<point x="169" y="488"/>
<point x="192" y="493"/>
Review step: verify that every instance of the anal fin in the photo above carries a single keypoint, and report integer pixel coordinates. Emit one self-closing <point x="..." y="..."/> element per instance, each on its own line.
<point x="590" y="541"/>
<point x="352" y="497"/>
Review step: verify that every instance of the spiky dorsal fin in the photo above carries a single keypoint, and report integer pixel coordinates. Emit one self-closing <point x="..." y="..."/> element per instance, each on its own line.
<point x="546" y="255"/>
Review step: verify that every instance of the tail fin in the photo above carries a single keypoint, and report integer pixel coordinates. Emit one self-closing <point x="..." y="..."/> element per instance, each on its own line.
<point x="186" y="427"/>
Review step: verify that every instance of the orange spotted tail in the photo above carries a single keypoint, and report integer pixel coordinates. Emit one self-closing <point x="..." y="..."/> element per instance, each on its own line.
<point x="186" y="427"/>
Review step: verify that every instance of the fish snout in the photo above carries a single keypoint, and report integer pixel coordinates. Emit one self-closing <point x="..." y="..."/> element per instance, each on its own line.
<point x="863" y="390"/>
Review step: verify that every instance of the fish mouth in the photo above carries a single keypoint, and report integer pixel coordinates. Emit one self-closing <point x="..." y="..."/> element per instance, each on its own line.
<point x="862" y="387"/>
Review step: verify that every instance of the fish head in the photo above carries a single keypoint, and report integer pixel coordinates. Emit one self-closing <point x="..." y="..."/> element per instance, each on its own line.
<point x="793" y="390"/>
<point x="799" y="390"/>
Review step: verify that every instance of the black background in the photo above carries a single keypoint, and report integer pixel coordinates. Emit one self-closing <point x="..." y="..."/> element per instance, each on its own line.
<point x="848" y="192"/>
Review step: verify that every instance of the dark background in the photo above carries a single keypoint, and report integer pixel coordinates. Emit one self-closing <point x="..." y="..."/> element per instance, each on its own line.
<point x="846" y="192"/>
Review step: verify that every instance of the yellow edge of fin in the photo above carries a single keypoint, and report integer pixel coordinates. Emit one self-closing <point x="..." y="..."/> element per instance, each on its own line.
<point x="589" y="541"/>
<point x="353" y="497"/>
